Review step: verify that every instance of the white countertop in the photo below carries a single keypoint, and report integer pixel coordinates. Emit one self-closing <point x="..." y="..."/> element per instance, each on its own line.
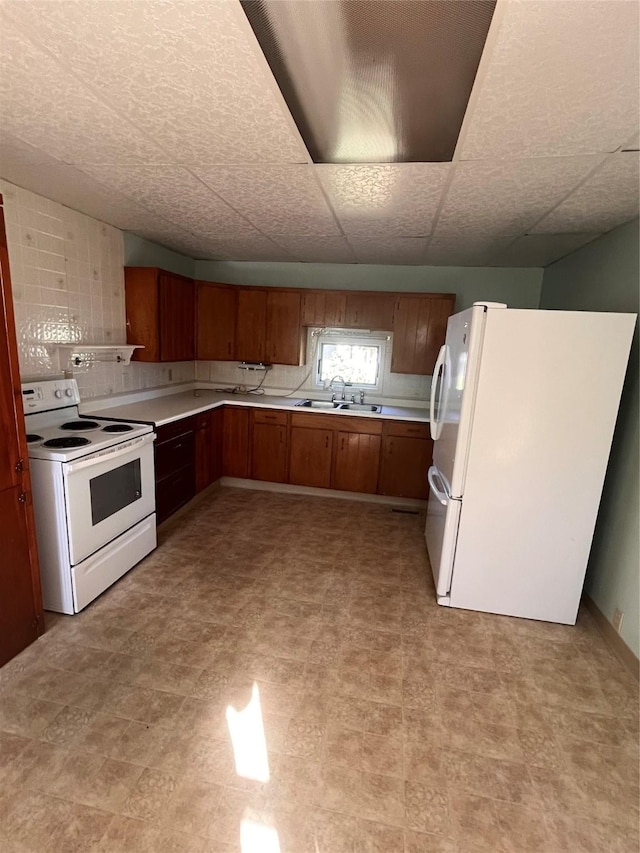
<point x="172" y="407"/>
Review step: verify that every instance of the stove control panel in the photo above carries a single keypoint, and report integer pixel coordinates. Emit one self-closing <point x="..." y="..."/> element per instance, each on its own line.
<point x="49" y="394"/>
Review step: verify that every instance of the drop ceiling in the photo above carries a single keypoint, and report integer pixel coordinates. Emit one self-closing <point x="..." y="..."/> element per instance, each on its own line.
<point x="164" y="119"/>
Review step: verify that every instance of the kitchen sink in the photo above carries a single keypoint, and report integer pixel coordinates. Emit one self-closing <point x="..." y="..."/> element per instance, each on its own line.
<point x="317" y="404"/>
<point x="359" y="407"/>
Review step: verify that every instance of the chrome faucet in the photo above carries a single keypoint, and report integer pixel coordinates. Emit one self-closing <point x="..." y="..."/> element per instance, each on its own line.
<point x="361" y="397"/>
<point x="339" y="379"/>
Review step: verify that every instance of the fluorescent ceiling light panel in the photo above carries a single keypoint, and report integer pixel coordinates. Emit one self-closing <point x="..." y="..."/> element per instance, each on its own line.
<point x="374" y="81"/>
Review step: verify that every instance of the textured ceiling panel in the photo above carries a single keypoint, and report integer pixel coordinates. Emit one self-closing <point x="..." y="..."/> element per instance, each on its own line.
<point x="399" y="199"/>
<point x="562" y="79"/>
<point x="333" y="250"/>
<point x="466" y="249"/>
<point x="175" y="194"/>
<point x="539" y="250"/>
<point x="190" y="74"/>
<point x="606" y="199"/>
<point x="250" y="248"/>
<point x="277" y="199"/>
<point x="43" y="105"/>
<point x="370" y="82"/>
<point x="510" y="196"/>
<point x="388" y="250"/>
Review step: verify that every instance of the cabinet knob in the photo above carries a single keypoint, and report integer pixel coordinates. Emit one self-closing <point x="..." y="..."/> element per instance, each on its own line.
<point x="326" y="441"/>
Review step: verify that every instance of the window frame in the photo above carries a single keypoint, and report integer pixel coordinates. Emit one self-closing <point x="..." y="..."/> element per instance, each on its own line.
<point x="355" y="338"/>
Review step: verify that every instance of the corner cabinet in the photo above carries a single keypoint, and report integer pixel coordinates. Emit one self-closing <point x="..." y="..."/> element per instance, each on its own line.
<point x="269" y="326"/>
<point x="216" y="316"/>
<point x="160" y="310"/>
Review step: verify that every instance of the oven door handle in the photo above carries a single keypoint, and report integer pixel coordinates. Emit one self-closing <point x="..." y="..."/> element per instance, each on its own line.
<point x="110" y="453"/>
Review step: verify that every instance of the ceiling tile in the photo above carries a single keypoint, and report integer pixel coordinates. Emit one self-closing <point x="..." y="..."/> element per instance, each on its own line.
<point x="190" y="75"/>
<point x="276" y="199"/>
<point x="331" y="250"/>
<point x="250" y="248"/>
<point x="388" y="250"/>
<point x="176" y="195"/>
<point x="554" y="67"/>
<point x="509" y="196"/>
<point x="607" y="198"/>
<point x="399" y="200"/>
<point x="43" y="104"/>
<point x="466" y="249"/>
<point x="540" y="250"/>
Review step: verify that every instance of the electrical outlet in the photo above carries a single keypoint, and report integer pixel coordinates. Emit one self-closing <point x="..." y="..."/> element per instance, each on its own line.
<point x="617" y="619"/>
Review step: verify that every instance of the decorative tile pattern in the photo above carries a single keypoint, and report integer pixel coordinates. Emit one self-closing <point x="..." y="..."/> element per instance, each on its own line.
<point x="505" y="735"/>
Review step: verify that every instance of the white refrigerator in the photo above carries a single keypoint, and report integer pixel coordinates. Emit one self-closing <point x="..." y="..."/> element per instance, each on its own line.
<point x="523" y="409"/>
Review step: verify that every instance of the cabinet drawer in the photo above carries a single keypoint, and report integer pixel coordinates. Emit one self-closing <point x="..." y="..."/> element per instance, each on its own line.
<point x="266" y="416"/>
<point x="174" y="454"/>
<point x="344" y="423"/>
<point x="407" y="429"/>
<point x="168" y="431"/>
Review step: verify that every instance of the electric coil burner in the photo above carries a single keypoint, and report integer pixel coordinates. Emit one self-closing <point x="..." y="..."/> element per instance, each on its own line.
<point x="80" y="426"/>
<point x="67" y="441"/>
<point x="117" y="428"/>
<point x="32" y="437"/>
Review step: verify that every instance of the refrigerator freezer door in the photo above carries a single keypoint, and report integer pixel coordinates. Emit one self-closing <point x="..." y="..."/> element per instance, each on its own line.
<point x="441" y="531"/>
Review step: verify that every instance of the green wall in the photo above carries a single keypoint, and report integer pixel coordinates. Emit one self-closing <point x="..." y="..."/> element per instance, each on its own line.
<point x="603" y="276"/>
<point x="518" y="287"/>
<point x="139" y="252"/>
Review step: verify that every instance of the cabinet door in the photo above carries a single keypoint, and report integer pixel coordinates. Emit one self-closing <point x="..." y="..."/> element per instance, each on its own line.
<point x="203" y="451"/>
<point x="323" y="308"/>
<point x="284" y="329"/>
<point x="269" y="452"/>
<point x="177" y="318"/>
<point x="356" y="463"/>
<point x="404" y="466"/>
<point x="310" y="457"/>
<point x="251" y="325"/>
<point x="216" y="322"/>
<point x="369" y="311"/>
<point x="235" y="442"/>
<point x="215" y="442"/>
<point x="419" y="330"/>
<point x="143" y="311"/>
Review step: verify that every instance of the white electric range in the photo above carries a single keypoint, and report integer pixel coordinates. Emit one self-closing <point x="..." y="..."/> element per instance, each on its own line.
<point x="93" y="494"/>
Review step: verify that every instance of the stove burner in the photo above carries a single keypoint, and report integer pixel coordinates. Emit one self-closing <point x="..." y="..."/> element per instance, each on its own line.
<point x="117" y="428"/>
<point x="31" y="437"/>
<point x="78" y="426"/>
<point x="67" y="441"/>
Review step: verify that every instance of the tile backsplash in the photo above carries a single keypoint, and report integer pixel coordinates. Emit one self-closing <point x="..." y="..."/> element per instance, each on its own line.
<point x="68" y="287"/>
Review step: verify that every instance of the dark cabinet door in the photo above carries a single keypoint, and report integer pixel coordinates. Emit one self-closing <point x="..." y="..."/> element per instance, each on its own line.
<point x="177" y="318"/>
<point x="21" y="617"/>
<point x="269" y="452"/>
<point x="216" y="313"/>
<point x="203" y="451"/>
<point x="310" y="457"/>
<point x="404" y="466"/>
<point x="235" y="442"/>
<point x="215" y="443"/>
<point x="356" y="462"/>
<point x="419" y="330"/>
<point x="369" y="311"/>
<point x="284" y="328"/>
<point x="251" y="325"/>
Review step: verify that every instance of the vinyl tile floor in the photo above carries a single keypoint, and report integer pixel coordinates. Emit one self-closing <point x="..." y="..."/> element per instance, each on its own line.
<point x="277" y="678"/>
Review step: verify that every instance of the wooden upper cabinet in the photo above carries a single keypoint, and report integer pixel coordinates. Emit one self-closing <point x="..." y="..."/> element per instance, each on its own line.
<point x="251" y="328"/>
<point x="160" y="314"/>
<point x="369" y="311"/>
<point x="216" y="314"/>
<point x="419" y="330"/>
<point x="284" y="343"/>
<point x="323" y="308"/>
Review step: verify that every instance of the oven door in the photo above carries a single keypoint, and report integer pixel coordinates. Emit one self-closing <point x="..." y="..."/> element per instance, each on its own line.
<point x="108" y="492"/>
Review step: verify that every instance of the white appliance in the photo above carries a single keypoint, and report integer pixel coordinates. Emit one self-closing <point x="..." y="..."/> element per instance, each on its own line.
<point x="523" y="409"/>
<point x="93" y="494"/>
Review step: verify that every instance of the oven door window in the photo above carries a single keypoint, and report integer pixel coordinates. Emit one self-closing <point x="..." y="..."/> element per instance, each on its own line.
<point x="115" y="490"/>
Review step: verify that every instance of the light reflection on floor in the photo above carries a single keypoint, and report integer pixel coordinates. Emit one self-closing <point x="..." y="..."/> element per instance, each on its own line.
<point x="257" y="837"/>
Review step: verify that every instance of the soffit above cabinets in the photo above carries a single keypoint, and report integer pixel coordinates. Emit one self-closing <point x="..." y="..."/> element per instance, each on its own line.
<point x="163" y="118"/>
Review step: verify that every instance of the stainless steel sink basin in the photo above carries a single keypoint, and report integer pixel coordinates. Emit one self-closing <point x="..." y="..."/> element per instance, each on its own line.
<point x="359" y="407"/>
<point x="317" y="404"/>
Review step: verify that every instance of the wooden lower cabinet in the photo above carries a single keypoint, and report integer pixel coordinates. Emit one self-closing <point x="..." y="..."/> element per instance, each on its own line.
<point x="404" y="463"/>
<point x="356" y="463"/>
<point x="175" y="456"/>
<point x="235" y="442"/>
<point x="269" y="446"/>
<point x="310" y="457"/>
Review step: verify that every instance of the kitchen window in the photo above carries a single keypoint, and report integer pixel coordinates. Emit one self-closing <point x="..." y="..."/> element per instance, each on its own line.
<point x="357" y="359"/>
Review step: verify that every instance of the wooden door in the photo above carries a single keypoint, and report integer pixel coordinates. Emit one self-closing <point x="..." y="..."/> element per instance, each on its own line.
<point x="21" y="615"/>
<point x="372" y="311"/>
<point x="269" y="452"/>
<point x="203" y="451"/>
<point x="310" y="457"/>
<point x="235" y="442"/>
<point x="323" y="308"/>
<point x="404" y="465"/>
<point x="177" y="318"/>
<point x="284" y="328"/>
<point x="215" y="439"/>
<point x="251" y="325"/>
<point x="419" y="330"/>
<point x="216" y="310"/>
<point x="356" y="462"/>
<point x="143" y="311"/>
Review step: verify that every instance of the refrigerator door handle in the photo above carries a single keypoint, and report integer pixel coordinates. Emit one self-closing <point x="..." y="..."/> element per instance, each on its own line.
<point x="435" y="426"/>
<point x="440" y="494"/>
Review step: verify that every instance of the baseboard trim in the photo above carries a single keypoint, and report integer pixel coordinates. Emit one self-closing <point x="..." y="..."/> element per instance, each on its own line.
<point x="621" y="650"/>
<point x="289" y="489"/>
